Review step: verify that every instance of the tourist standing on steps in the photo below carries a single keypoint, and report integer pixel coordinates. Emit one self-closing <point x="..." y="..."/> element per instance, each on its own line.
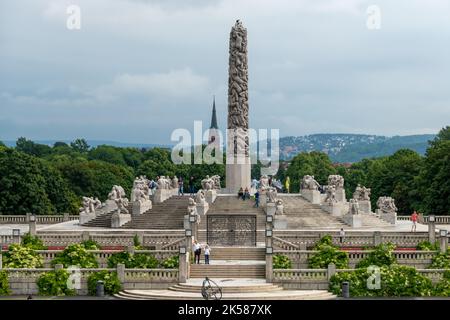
<point x="180" y="187"/>
<point x="207" y="252"/>
<point x="197" y="248"/>
<point x="246" y="194"/>
<point x="256" y="199"/>
<point x="341" y="235"/>
<point x="191" y="186"/>
<point x="414" y="217"/>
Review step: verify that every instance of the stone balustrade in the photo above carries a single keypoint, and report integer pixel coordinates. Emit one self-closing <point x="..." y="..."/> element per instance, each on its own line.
<point x="353" y="239"/>
<point x="318" y="279"/>
<point x="417" y="259"/>
<point x="40" y="219"/>
<point x="102" y="255"/>
<point x="23" y="281"/>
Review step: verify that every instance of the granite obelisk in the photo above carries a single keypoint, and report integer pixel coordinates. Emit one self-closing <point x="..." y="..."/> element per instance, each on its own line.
<point x="238" y="165"/>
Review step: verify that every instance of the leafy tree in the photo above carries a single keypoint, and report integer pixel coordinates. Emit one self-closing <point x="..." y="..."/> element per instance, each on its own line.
<point x="80" y="145"/>
<point x="314" y="163"/>
<point x="381" y="255"/>
<point x="54" y="283"/>
<point x="281" y="262"/>
<point x="110" y="280"/>
<point x="33" y="242"/>
<point x="75" y="255"/>
<point x="4" y="284"/>
<point x="434" y="179"/>
<point x="29" y="147"/>
<point x="327" y="253"/>
<point x="19" y="256"/>
<point x="108" y="154"/>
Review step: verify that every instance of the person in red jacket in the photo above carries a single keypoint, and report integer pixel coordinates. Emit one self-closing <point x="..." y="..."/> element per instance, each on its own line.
<point x="414" y="218"/>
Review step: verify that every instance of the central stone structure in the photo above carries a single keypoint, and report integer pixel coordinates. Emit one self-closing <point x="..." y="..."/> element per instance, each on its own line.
<point x="238" y="165"/>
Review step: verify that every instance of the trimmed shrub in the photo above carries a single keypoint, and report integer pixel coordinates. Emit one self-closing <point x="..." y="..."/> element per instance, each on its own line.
<point x="427" y="246"/>
<point x="442" y="289"/>
<point x="110" y="280"/>
<point x="440" y="261"/>
<point x="396" y="281"/>
<point x="4" y="284"/>
<point x="171" y="263"/>
<point x="75" y="255"/>
<point x="381" y="255"/>
<point x="33" y="242"/>
<point x="54" y="283"/>
<point x="138" y="260"/>
<point x="281" y="262"/>
<point x="327" y="253"/>
<point x="90" y="245"/>
<point x="19" y="256"/>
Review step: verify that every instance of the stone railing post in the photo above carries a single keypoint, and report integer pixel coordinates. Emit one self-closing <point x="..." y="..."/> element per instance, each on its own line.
<point x="443" y="243"/>
<point x="1" y="258"/>
<point x="432" y="231"/>
<point x="376" y="238"/>
<point x="65" y="216"/>
<point x="120" y="269"/>
<point x="331" y="270"/>
<point x="85" y="236"/>
<point x="32" y="227"/>
<point x="130" y="249"/>
<point x="183" y="266"/>
<point x="27" y="218"/>
<point x="140" y="236"/>
<point x="269" y="248"/>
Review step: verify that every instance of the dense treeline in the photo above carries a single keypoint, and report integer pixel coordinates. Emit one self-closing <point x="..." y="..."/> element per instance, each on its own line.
<point x="415" y="182"/>
<point x="48" y="179"/>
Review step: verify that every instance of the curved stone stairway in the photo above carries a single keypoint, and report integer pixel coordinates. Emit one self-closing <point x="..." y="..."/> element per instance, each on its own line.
<point x="232" y="289"/>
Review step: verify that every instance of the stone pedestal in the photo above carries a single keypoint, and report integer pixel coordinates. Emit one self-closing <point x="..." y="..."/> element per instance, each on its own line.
<point x="86" y="217"/>
<point x="312" y="196"/>
<point x="141" y="207"/>
<point x="365" y="206"/>
<point x="443" y="243"/>
<point x="238" y="175"/>
<point x="161" y="195"/>
<point x="262" y="199"/>
<point x="32" y="226"/>
<point x="335" y="209"/>
<point x="390" y="217"/>
<point x="270" y="209"/>
<point x="210" y="196"/>
<point x="202" y="209"/>
<point x="183" y="267"/>
<point x="279" y="210"/>
<point x="432" y="232"/>
<point x="340" y="195"/>
<point x="280" y="222"/>
<point x="186" y="223"/>
<point x="353" y="220"/>
<point x="119" y="219"/>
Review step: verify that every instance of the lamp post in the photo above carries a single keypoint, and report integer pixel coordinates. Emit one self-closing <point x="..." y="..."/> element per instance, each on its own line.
<point x="269" y="248"/>
<point x="32" y="225"/>
<point x="183" y="265"/>
<point x="443" y="233"/>
<point x="432" y="228"/>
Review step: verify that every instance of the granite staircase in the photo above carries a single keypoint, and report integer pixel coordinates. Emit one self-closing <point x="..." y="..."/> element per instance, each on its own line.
<point x="104" y="220"/>
<point x="167" y="215"/>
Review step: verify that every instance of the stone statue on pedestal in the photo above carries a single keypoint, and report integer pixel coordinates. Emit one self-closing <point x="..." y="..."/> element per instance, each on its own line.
<point x="309" y="183"/>
<point x="263" y="182"/>
<point x="272" y="194"/>
<point x="200" y="198"/>
<point x="336" y="180"/>
<point x="216" y="182"/>
<point x="386" y="205"/>
<point x="331" y="195"/>
<point x="362" y="193"/>
<point x="208" y="183"/>
<point x="354" y="206"/>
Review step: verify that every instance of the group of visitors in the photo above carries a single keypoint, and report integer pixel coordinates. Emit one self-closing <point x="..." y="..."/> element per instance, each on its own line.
<point x="243" y="194"/>
<point x="197" y="249"/>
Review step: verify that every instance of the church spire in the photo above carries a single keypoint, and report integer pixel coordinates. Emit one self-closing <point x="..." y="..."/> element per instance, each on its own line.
<point x="214" y="117"/>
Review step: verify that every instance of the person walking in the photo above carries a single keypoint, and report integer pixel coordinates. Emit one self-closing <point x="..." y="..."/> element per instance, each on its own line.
<point x="341" y="235"/>
<point x="191" y="186"/>
<point x="256" y="199"/>
<point x="207" y="252"/>
<point x="181" y="187"/>
<point x="414" y="218"/>
<point x="197" y="248"/>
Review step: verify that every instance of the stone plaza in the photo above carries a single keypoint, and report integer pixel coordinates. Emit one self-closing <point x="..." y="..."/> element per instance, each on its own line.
<point x="244" y="238"/>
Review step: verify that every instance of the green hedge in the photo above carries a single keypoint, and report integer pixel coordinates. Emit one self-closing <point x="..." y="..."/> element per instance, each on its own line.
<point x="75" y="255"/>
<point x="396" y="281"/>
<point x="440" y="261"/>
<point x="33" y="242"/>
<point x="381" y="255"/>
<point x="327" y="253"/>
<point x="138" y="260"/>
<point x="19" y="256"/>
<point x="4" y="284"/>
<point x="171" y="263"/>
<point x="110" y="280"/>
<point x="281" y="262"/>
<point x="54" y="283"/>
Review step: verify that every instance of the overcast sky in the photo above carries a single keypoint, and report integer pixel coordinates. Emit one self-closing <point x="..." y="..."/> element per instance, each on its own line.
<point x="137" y="70"/>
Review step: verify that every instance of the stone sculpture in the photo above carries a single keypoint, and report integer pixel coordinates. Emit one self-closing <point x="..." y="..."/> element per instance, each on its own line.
<point x="163" y="183"/>
<point x="200" y="198"/>
<point x="116" y="193"/>
<point x="336" y="180"/>
<point x="361" y="193"/>
<point x="141" y="190"/>
<point x="90" y="205"/>
<point x="386" y="205"/>
<point x="263" y="182"/>
<point x="309" y="183"/>
<point x="216" y="182"/>
<point x="279" y="207"/>
<point x="192" y="209"/>
<point x="175" y="182"/>
<point x="272" y="194"/>
<point x="122" y="204"/>
<point x="354" y="206"/>
<point x="331" y="195"/>
<point x="208" y="183"/>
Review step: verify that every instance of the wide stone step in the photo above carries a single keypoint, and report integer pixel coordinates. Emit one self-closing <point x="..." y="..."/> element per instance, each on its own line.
<point x="227" y="271"/>
<point x="262" y="287"/>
